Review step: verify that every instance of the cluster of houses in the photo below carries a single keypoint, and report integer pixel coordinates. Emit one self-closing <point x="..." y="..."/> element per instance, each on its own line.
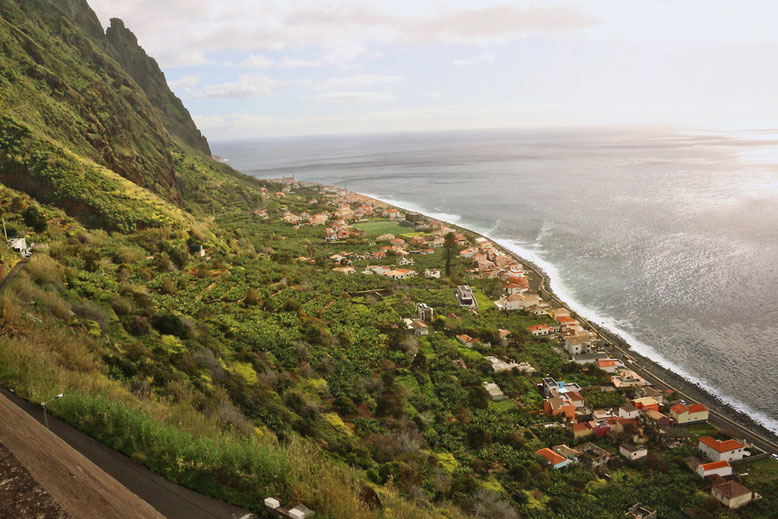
<point x="561" y="399"/>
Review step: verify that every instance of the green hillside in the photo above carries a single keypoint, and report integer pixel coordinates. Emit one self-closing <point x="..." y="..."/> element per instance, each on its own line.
<point x="192" y="318"/>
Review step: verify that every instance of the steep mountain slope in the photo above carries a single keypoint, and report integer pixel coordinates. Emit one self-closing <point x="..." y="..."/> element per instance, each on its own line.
<point x="145" y="71"/>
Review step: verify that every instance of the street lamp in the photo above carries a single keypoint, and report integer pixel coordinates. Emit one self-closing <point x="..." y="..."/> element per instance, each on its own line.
<point x="45" y="417"/>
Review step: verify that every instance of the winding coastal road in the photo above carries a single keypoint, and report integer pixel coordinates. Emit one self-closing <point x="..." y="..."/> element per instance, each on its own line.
<point x="716" y="418"/>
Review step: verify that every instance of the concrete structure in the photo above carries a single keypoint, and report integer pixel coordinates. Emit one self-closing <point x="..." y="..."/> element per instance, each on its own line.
<point x="732" y="494"/>
<point x="424" y="311"/>
<point x="593" y="455"/>
<point x="714" y="468"/>
<point x="494" y="391"/>
<point x="637" y="511"/>
<point x="633" y="452"/>
<point x="728" y="450"/>
<point x="695" y="413"/>
<point x="465" y="296"/>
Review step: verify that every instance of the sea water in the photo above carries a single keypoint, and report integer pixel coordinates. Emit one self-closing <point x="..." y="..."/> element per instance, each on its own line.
<point x="668" y="238"/>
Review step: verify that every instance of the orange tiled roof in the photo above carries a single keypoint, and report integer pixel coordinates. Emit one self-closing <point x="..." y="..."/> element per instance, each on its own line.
<point x="551" y="456"/>
<point x="725" y="446"/>
<point x="714" y="465"/>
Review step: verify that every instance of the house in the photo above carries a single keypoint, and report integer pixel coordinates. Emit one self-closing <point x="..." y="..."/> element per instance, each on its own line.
<point x="344" y="270"/>
<point x="732" y="494"/>
<point x="628" y="378"/>
<point x="539" y="330"/>
<point x="405" y="261"/>
<point x="424" y="311"/>
<point x="20" y="245"/>
<point x="494" y="391"/>
<point x="589" y="358"/>
<point x="465" y="296"/>
<point x="576" y="398"/>
<point x="609" y="365"/>
<point x="633" y="452"/>
<point x="431" y="273"/>
<point x="645" y="403"/>
<point x="556" y="406"/>
<point x="196" y="249"/>
<point x="418" y="327"/>
<point x="567" y="452"/>
<point x="727" y="450"/>
<point x="656" y="394"/>
<point x="695" y="413"/>
<point x="658" y="417"/>
<point x="577" y="344"/>
<point x="637" y="511"/>
<point x="581" y="430"/>
<point x="550" y="387"/>
<point x="593" y="455"/>
<point x="628" y="411"/>
<point x="714" y="468"/>
<point x="466" y="341"/>
<point x="400" y="273"/>
<point x="557" y="461"/>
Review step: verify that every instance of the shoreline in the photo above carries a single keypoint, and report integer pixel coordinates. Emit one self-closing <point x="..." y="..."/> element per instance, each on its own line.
<point x="722" y="414"/>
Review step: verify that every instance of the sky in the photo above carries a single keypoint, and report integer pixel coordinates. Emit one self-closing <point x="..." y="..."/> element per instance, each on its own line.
<point x="255" y="68"/>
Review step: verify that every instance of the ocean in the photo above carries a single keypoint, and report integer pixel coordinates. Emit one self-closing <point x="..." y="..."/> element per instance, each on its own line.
<point x="668" y="238"/>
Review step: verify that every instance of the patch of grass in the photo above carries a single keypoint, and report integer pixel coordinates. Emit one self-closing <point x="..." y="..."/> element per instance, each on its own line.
<point x="378" y="228"/>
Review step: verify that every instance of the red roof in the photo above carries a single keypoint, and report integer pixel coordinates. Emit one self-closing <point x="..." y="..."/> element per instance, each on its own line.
<point x="606" y="363"/>
<point x="551" y="456"/>
<point x="573" y="395"/>
<point x="535" y="327"/>
<point x="697" y="408"/>
<point x="714" y="465"/>
<point x="731" y="489"/>
<point x="580" y="427"/>
<point x="725" y="446"/>
<point x="694" y="408"/>
<point x="565" y="319"/>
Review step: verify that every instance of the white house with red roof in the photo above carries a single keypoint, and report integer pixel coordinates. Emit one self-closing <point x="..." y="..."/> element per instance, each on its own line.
<point x="727" y="450"/>
<point x="540" y="329"/>
<point x="714" y="468"/>
<point x="694" y="413"/>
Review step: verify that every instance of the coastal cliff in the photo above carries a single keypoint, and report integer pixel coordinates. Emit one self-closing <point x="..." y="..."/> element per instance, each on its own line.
<point x="145" y="71"/>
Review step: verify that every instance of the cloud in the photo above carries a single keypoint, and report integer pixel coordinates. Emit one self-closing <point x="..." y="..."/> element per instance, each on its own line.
<point x="356" y="81"/>
<point x="186" y="82"/>
<point x="353" y="96"/>
<point x="257" y="61"/>
<point x="184" y="32"/>
<point x="245" y="87"/>
<point x="486" y="58"/>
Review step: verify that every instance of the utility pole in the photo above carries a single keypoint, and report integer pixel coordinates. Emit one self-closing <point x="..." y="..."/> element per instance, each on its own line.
<point x="4" y="231"/>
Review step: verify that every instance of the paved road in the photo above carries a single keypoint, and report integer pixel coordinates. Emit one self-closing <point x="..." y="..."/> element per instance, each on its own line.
<point x="171" y="500"/>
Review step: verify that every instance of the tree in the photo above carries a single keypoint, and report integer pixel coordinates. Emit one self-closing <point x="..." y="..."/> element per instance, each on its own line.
<point x="35" y="218"/>
<point x="450" y="246"/>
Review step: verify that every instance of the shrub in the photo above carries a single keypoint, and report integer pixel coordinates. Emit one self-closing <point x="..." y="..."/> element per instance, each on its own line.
<point x="90" y="311"/>
<point x="121" y="305"/>
<point x="43" y="269"/>
<point x="170" y="324"/>
<point x="137" y="325"/>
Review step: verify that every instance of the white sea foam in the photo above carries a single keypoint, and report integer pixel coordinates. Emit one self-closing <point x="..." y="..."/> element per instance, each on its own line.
<point x="565" y="294"/>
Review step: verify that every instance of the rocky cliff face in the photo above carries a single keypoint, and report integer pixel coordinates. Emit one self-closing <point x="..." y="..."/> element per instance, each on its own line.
<point x="86" y="96"/>
<point x="145" y="71"/>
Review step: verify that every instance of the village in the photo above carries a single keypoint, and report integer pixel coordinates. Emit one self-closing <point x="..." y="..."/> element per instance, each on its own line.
<point x="512" y="389"/>
<point x="601" y="437"/>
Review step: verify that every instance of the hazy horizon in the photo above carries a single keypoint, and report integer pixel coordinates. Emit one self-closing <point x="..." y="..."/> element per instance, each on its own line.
<point x="249" y="69"/>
